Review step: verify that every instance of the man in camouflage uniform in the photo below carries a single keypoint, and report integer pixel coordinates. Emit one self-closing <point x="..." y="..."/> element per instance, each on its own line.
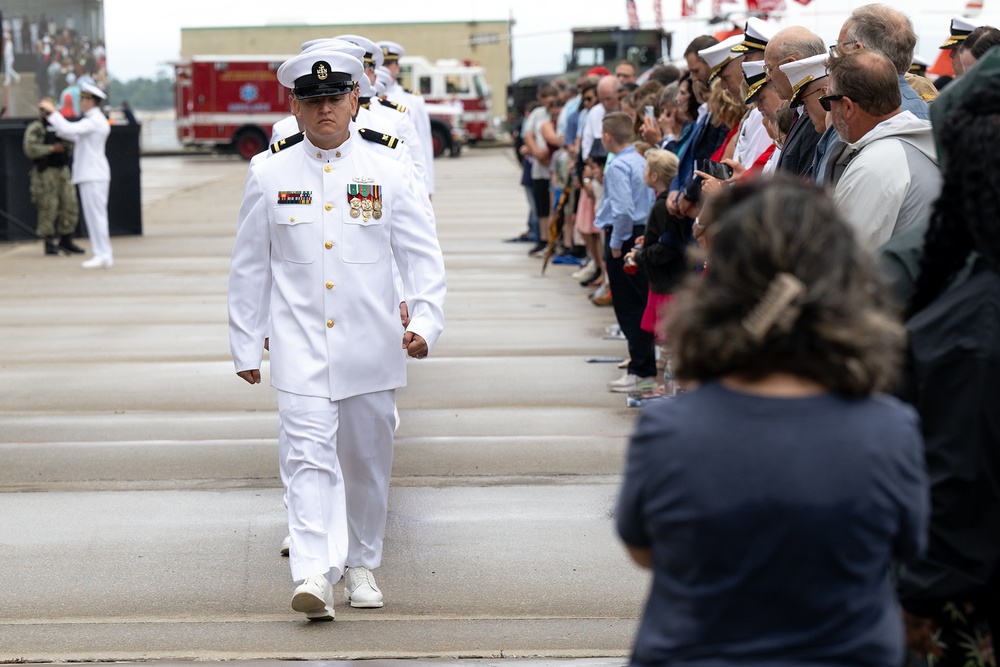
<point x="52" y="190"/>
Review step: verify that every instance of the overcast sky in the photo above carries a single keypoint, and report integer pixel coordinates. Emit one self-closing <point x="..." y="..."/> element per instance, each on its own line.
<point x="541" y="30"/>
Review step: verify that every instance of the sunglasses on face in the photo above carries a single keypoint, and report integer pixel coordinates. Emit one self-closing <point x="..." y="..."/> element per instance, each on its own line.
<point x="826" y="99"/>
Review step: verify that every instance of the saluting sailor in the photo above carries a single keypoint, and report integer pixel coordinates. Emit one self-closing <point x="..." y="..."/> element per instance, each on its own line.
<point x="312" y="256"/>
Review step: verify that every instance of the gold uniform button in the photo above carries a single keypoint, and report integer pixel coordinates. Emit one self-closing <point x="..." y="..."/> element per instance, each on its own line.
<point x="328" y="169"/>
<point x="291" y="219"/>
<point x="329" y="285"/>
<point x="318" y="154"/>
<point x="329" y="207"/>
<point x="337" y="154"/>
<point x="328" y="245"/>
<point x="329" y="324"/>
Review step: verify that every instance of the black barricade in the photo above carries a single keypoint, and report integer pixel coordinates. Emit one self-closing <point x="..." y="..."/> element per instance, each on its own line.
<point x="124" y="199"/>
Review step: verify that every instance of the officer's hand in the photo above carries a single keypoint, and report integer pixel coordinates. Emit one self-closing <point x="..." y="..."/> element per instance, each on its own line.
<point x="252" y="376"/>
<point x="404" y="314"/>
<point x="47" y="106"/>
<point x="59" y="147"/>
<point x="414" y="345"/>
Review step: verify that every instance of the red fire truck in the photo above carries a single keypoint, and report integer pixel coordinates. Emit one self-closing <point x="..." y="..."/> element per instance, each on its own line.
<point x="231" y="102"/>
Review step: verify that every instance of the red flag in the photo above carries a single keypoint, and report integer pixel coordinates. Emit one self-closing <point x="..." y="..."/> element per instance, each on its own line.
<point x="658" y="11"/>
<point x="689" y="7"/>
<point x="633" y="16"/>
<point x="769" y="5"/>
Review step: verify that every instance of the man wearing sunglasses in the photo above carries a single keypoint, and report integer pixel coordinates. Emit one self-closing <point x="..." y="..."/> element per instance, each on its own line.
<point x="886" y="177"/>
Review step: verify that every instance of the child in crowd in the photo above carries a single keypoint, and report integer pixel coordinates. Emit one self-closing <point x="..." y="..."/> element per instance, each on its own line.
<point x="662" y="255"/>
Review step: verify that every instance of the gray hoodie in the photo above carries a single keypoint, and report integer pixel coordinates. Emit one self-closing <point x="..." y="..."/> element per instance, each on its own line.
<point x="888" y="179"/>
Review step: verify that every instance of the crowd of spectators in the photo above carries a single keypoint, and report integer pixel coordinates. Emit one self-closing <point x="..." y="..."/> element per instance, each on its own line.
<point x="798" y="219"/>
<point x="62" y="57"/>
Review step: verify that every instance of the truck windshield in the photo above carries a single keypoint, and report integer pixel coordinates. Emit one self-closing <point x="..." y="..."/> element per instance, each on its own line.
<point x="457" y="83"/>
<point x="482" y="90"/>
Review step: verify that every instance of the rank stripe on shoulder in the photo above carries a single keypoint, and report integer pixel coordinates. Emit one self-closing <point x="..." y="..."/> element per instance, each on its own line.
<point x="286" y="142"/>
<point x="392" y="105"/>
<point x="378" y="138"/>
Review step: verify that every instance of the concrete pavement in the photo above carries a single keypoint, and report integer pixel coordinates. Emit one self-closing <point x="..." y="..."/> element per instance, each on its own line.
<point x="140" y="508"/>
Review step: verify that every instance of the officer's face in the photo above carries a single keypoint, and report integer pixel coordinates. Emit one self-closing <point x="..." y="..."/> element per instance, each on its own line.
<point x="326" y="119"/>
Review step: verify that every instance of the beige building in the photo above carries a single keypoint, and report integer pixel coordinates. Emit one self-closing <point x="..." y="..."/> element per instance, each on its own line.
<point x="485" y="42"/>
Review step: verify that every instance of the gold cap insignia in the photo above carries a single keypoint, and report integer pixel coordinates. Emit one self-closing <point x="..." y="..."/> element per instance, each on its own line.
<point x="322" y="72"/>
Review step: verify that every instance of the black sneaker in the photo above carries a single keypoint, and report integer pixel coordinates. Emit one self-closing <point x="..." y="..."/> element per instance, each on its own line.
<point x="538" y="247"/>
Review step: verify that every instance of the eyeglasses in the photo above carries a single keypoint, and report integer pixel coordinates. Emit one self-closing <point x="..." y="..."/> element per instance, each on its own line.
<point x="835" y="48"/>
<point x="818" y="90"/>
<point x="826" y="99"/>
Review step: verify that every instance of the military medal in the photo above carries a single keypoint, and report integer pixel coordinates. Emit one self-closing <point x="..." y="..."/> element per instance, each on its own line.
<point x="365" y="200"/>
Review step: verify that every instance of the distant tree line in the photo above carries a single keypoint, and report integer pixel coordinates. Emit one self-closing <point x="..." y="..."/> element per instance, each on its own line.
<point x="144" y="94"/>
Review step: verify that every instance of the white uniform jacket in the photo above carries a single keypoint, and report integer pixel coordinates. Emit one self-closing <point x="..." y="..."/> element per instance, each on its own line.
<point x="325" y="278"/>
<point x="403" y="127"/>
<point x="417" y="110"/>
<point x="89" y="135"/>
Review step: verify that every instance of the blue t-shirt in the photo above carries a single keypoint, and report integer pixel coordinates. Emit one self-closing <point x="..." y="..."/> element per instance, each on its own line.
<point x="772" y="523"/>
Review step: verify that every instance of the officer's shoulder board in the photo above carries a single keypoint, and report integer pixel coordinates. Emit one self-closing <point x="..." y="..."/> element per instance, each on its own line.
<point x="286" y="142"/>
<point x="413" y="92"/>
<point x="377" y="137"/>
<point x="392" y="105"/>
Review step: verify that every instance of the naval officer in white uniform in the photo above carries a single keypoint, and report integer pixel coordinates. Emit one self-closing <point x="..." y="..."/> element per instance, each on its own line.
<point x="312" y="256"/>
<point x="91" y="171"/>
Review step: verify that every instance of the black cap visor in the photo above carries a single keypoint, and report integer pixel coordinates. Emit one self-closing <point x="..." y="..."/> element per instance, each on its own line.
<point x="332" y="84"/>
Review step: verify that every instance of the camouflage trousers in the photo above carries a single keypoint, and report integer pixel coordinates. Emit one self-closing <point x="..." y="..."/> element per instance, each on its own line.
<point x="54" y="196"/>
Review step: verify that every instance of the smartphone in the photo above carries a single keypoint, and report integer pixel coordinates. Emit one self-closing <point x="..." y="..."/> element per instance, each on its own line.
<point x="715" y="169"/>
<point x="650" y="119"/>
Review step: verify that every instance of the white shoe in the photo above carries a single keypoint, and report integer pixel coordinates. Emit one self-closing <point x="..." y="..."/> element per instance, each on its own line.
<point x="361" y="589"/>
<point x="583" y="271"/>
<point x="97" y="263"/>
<point x="632" y="384"/>
<point x="314" y="598"/>
<point x="624" y="381"/>
<point x="286" y="545"/>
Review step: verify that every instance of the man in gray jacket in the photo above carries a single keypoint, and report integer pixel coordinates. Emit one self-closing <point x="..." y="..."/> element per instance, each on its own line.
<point x="886" y="178"/>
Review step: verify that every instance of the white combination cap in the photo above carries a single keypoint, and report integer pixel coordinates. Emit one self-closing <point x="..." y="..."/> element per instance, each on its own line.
<point x="320" y="74"/>
<point x="87" y="88"/>
<point x="391" y="50"/>
<point x="961" y="28"/>
<point x="756" y="78"/>
<point x="801" y="72"/>
<point x="756" y="35"/>
<point x="720" y="55"/>
<point x="373" y="54"/>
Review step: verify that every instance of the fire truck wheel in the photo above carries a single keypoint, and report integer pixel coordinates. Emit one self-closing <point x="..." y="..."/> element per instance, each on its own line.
<point x="249" y="141"/>
<point x="440" y="139"/>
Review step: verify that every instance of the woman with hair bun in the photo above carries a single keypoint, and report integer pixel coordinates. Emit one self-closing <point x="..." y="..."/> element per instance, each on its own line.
<point x="772" y="498"/>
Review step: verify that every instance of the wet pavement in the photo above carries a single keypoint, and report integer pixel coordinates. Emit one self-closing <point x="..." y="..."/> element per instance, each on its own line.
<point x="140" y="508"/>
